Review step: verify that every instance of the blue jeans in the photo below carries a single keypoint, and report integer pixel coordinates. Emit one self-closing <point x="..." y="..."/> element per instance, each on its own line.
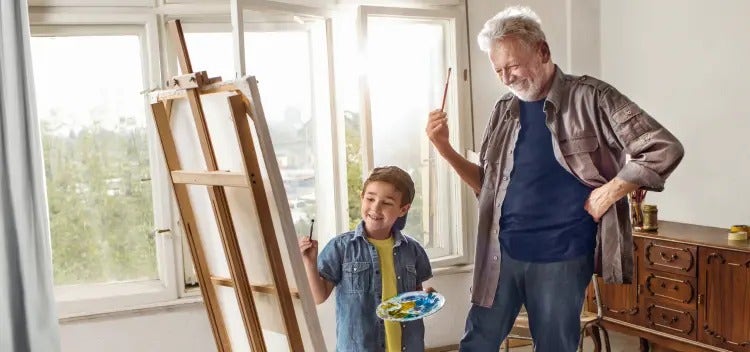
<point x="553" y="294"/>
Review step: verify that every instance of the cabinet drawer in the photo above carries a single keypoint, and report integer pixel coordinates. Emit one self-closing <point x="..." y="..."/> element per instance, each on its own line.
<point x="669" y="288"/>
<point x="670" y="319"/>
<point x="668" y="256"/>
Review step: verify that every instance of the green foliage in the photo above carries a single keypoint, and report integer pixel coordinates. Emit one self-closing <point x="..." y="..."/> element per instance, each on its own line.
<point x="101" y="210"/>
<point x="353" y="166"/>
<point x="100" y="204"/>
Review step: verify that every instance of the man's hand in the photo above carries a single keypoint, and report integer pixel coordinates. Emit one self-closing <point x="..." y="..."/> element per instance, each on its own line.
<point x="437" y="130"/>
<point x="309" y="249"/>
<point x="603" y="197"/>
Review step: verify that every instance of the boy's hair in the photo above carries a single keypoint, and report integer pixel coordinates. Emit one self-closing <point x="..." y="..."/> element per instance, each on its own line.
<point x="396" y="177"/>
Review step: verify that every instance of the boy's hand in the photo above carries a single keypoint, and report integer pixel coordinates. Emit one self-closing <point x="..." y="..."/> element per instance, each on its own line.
<point x="309" y="249"/>
<point x="428" y="289"/>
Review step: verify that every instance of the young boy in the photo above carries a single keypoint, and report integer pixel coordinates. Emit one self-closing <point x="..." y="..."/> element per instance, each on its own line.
<point x="370" y="264"/>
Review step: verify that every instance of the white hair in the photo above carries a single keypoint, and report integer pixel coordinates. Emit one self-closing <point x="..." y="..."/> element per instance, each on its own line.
<point x="516" y="21"/>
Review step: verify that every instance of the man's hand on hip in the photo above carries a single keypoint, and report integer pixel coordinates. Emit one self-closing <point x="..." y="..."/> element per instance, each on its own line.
<point x="603" y="197"/>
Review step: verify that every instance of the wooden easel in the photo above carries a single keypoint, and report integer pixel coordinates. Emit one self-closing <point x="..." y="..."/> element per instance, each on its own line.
<point x="244" y="101"/>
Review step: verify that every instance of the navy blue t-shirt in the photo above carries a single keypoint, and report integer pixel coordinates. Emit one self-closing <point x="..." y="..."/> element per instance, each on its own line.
<point x="542" y="217"/>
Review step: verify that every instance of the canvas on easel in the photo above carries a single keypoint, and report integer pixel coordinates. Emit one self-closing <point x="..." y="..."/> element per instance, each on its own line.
<point x="234" y="211"/>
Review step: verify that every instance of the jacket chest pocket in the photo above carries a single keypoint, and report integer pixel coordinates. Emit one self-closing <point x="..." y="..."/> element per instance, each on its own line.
<point x="357" y="277"/>
<point x="410" y="278"/>
<point x="577" y="153"/>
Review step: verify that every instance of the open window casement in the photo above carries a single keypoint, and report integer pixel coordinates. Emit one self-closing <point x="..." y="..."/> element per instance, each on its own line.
<point x="111" y="238"/>
<point x="287" y="48"/>
<point x="406" y="54"/>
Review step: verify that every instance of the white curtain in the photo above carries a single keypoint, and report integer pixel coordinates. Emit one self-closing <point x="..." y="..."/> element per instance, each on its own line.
<point x="28" y="320"/>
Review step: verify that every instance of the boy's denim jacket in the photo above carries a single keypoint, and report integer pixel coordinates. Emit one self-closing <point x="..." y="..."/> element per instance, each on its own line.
<point x="351" y="263"/>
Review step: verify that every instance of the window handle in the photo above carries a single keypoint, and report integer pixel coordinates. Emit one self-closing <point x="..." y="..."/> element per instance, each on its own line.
<point x="160" y="232"/>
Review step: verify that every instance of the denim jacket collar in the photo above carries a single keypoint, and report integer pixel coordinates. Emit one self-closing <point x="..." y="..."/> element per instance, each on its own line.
<point x="359" y="232"/>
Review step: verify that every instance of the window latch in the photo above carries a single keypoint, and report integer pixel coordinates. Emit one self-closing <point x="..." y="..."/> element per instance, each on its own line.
<point x="160" y="232"/>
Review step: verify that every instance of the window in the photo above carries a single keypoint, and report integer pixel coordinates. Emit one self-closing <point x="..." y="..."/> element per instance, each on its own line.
<point x="281" y="63"/>
<point x="116" y="236"/>
<point x="407" y="54"/>
<point x="98" y="164"/>
<point x="283" y="60"/>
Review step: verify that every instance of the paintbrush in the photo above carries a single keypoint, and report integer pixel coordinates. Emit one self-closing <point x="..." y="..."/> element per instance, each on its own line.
<point x="312" y="223"/>
<point x="445" y="89"/>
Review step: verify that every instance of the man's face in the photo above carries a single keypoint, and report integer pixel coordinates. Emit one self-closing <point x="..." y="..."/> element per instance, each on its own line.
<point x="520" y="67"/>
<point x="381" y="207"/>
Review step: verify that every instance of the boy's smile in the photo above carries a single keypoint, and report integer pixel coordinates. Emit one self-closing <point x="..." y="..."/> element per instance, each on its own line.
<point x="381" y="207"/>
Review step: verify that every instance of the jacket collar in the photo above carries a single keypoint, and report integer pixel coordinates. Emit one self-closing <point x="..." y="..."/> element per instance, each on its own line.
<point x="359" y="232"/>
<point x="554" y="96"/>
<point x="556" y="90"/>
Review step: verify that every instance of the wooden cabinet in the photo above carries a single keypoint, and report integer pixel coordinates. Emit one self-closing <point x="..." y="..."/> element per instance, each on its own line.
<point x="667" y="280"/>
<point x="691" y="290"/>
<point x="619" y="302"/>
<point x="724" y="298"/>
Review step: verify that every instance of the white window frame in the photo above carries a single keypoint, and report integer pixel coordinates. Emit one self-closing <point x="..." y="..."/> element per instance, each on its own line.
<point x="74" y="300"/>
<point x="328" y="174"/>
<point x="147" y="19"/>
<point x="456" y="248"/>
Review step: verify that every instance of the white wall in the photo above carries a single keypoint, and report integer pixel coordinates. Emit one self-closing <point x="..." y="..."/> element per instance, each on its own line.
<point x="686" y="63"/>
<point x="184" y="328"/>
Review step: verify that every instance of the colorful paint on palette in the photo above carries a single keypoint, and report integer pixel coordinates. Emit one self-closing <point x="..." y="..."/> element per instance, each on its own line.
<point x="410" y="306"/>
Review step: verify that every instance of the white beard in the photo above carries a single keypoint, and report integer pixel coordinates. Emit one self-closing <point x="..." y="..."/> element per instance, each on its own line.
<point x="531" y="93"/>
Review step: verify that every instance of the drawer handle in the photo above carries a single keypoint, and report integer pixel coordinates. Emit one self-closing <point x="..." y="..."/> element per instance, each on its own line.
<point x="664" y="286"/>
<point x="669" y="321"/>
<point x="670" y="258"/>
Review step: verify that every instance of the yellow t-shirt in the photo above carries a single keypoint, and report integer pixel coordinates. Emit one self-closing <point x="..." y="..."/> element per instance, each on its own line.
<point x="388" y="271"/>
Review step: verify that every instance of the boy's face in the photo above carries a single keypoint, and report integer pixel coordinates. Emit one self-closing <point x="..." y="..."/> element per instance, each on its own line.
<point x="381" y="206"/>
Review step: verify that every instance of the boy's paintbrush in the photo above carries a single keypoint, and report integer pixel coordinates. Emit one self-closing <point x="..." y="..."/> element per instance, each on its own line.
<point x="312" y="222"/>
<point x="445" y="90"/>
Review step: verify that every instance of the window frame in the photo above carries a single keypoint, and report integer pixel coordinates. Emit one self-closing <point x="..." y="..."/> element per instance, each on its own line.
<point x="326" y="177"/>
<point x="147" y="19"/>
<point x="458" y="250"/>
<point x="80" y="299"/>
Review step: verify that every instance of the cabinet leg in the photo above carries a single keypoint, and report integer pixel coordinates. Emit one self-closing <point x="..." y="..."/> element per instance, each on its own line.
<point x="644" y="345"/>
<point x="593" y="331"/>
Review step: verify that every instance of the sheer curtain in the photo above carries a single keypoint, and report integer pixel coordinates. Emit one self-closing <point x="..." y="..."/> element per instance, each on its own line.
<point x="28" y="319"/>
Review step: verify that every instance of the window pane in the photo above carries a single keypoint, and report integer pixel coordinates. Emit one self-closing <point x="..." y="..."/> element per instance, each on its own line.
<point x="281" y="63"/>
<point x="348" y="97"/>
<point x="96" y="157"/>
<point x="405" y="75"/>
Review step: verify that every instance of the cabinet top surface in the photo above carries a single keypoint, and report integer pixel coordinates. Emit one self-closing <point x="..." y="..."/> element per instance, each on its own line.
<point x="695" y="234"/>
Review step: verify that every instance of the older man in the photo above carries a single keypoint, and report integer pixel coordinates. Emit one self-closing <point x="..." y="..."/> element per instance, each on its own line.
<point x="551" y="182"/>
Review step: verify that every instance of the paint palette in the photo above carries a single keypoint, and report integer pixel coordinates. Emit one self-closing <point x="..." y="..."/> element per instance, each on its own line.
<point x="410" y="306"/>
